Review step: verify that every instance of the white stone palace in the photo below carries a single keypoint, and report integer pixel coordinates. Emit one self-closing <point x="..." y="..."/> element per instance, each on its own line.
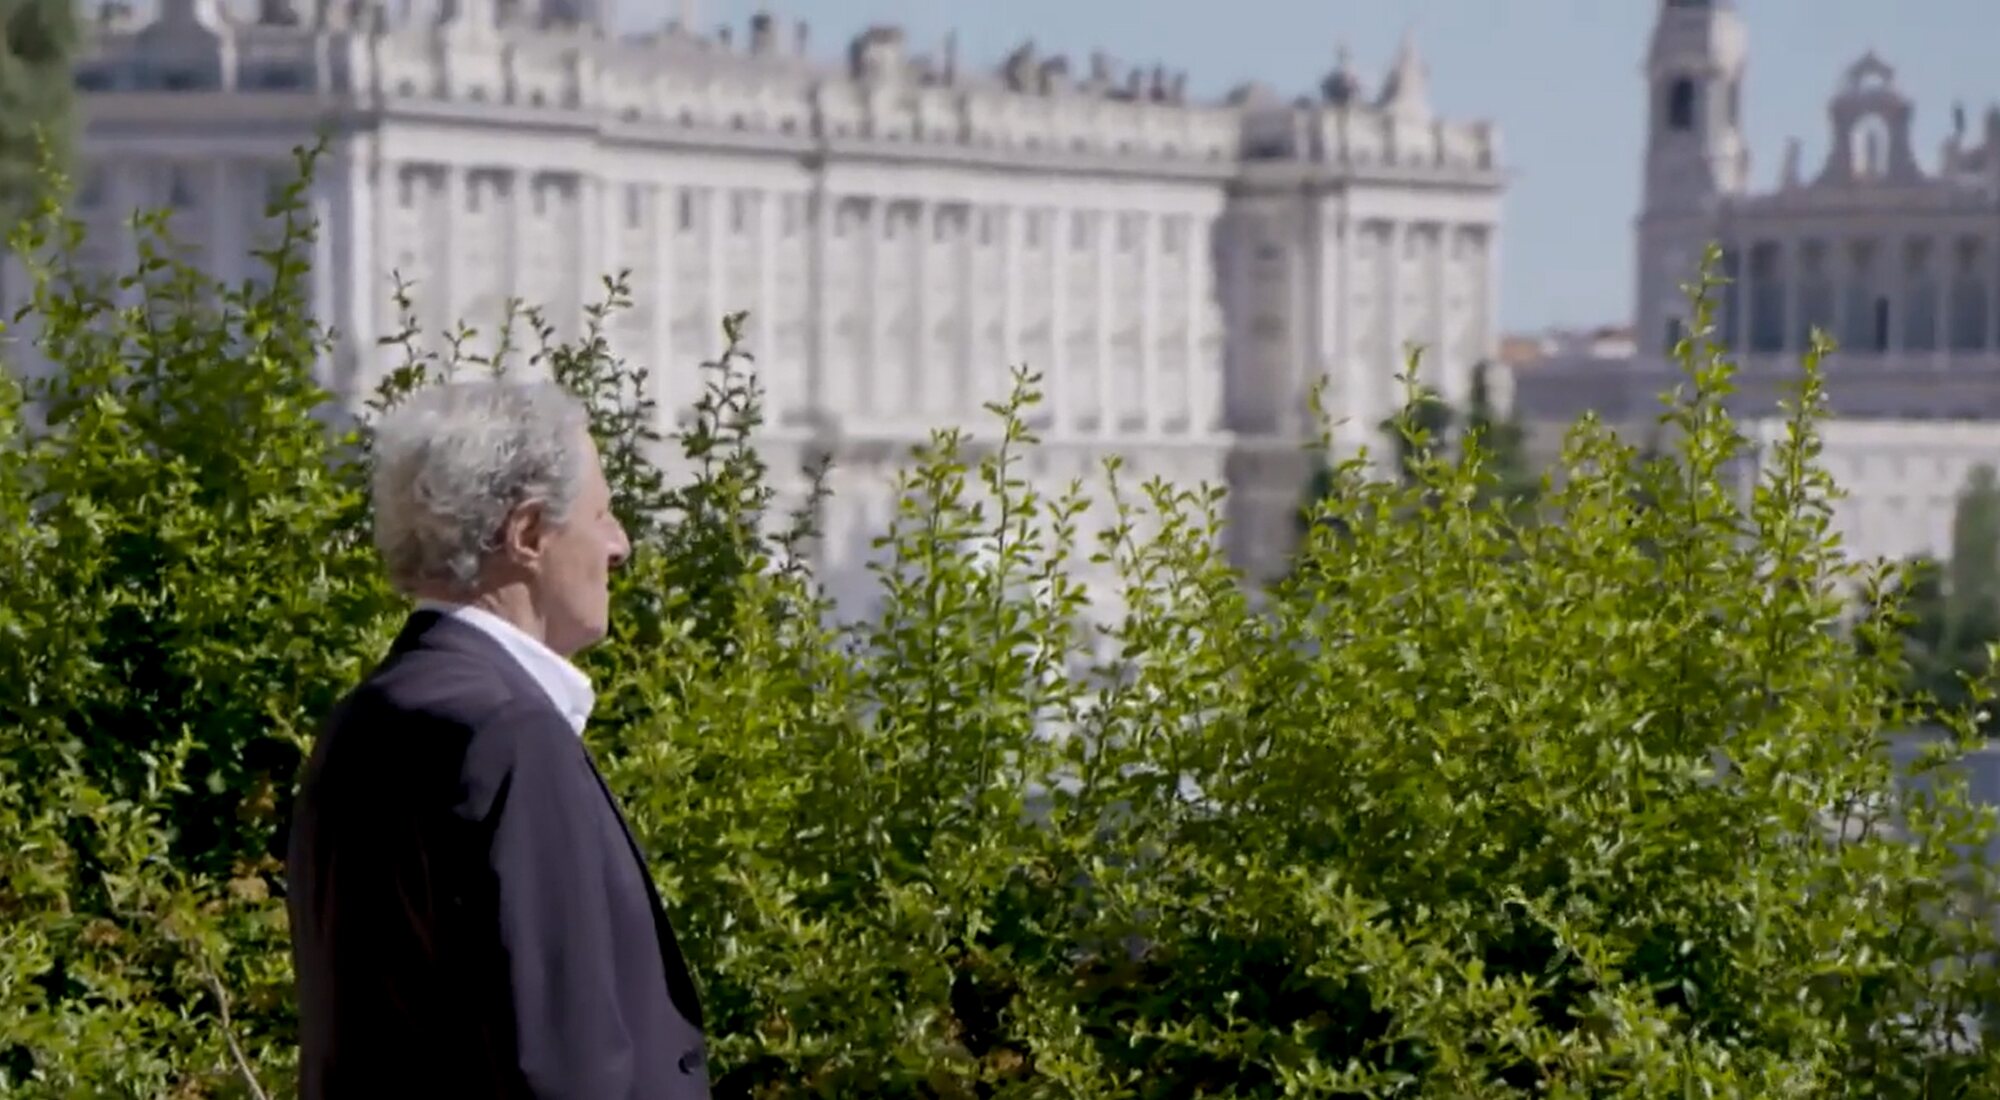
<point x="1898" y="262"/>
<point x="902" y="228"/>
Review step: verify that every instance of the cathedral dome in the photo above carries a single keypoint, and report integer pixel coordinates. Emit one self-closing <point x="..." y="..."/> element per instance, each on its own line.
<point x="1341" y="85"/>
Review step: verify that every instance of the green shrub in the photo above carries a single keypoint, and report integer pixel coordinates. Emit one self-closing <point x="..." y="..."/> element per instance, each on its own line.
<point x="1464" y="806"/>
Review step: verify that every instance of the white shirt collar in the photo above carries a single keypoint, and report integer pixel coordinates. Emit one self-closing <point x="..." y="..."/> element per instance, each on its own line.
<point x="565" y="684"/>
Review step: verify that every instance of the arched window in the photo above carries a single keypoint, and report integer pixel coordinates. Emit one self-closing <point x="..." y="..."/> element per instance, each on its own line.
<point x="1680" y="104"/>
<point x="1868" y="147"/>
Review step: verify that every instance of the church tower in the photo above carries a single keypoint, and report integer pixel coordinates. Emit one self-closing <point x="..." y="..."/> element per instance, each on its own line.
<point x="1695" y="154"/>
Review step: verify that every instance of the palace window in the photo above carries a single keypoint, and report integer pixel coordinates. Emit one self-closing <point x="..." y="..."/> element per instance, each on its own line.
<point x="1680" y="104"/>
<point x="1969" y="319"/>
<point x="1767" y="298"/>
<point x="1920" y="302"/>
<point x="635" y="206"/>
<point x="1129" y="227"/>
<point x="1729" y="321"/>
<point x="180" y="194"/>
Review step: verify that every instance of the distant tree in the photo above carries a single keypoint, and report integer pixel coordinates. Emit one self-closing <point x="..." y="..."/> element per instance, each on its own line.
<point x="1424" y="425"/>
<point x="1503" y="443"/>
<point x="41" y="40"/>
<point x="1975" y="550"/>
<point x="1952" y="608"/>
<point x="1427" y="423"/>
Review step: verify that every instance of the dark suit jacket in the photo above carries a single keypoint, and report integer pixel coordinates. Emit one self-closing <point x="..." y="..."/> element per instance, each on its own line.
<point x="470" y="914"/>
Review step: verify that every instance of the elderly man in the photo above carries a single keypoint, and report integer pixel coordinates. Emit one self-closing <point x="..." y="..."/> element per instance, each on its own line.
<point x="471" y="916"/>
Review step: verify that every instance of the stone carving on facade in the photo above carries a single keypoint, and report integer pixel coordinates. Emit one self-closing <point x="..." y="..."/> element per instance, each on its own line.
<point x="1871" y="129"/>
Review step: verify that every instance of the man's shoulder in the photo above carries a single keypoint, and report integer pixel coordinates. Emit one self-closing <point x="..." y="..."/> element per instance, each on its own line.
<point x="428" y="686"/>
<point x="426" y="727"/>
<point x="433" y="700"/>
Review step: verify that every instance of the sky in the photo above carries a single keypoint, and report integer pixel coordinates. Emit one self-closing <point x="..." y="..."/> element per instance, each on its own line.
<point x="1562" y="79"/>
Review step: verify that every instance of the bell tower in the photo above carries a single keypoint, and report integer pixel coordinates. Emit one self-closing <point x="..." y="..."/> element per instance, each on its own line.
<point x="1695" y="153"/>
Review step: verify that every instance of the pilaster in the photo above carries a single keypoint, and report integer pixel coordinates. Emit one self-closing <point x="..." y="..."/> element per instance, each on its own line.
<point x="1150" y="411"/>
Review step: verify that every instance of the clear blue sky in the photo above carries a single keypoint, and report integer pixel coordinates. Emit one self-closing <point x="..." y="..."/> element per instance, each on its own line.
<point x="1561" y="77"/>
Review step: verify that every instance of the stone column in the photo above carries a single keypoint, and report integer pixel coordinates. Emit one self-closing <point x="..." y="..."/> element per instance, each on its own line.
<point x="1196" y="394"/>
<point x="352" y="234"/>
<point x="1452" y="375"/>
<point x="228" y="253"/>
<point x="1150" y="411"/>
<point x="1791" y="265"/>
<point x="1486" y="261"/>
<point x="717" y="217"/>
<point x="1395" y="239"/>
<point x="780" y="378"/>
<point x="923" y="309"/>
<point x="366" y="184"/>
<point x="325" y="300"/>
<point x="1896" y="253"/>
<point x="1840" y="280"/>
<point x="972" y="310"/>
<point x="591" y="250"/>
<point x="661" y="298"/>
<point x="1746" y="303"/>
<point x="520" y="188"/>
<point x="829" y="382"/>
<point x="1353" y="391"/>
<point x="1062" y="412"/>
<point x="1937" y="264"/>
<point x="1010" y="297"/>
<point x="445" y="280"/>
<point x="875" y="312"/>
<point x="1105" y="245"/>
<point x="614" y="244"/>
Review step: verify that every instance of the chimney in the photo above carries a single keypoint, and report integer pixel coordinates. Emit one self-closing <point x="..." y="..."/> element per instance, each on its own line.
<point x="763" y="34"/>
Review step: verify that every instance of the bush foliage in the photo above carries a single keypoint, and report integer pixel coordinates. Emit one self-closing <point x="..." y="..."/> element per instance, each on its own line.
<point x="1592" y="802"/>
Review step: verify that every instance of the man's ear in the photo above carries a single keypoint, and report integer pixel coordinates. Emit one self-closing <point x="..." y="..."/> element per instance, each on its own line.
<point x="523" y="533"/>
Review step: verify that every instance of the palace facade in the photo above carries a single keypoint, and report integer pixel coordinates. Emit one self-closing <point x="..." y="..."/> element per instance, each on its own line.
<point x="902" y="227"/>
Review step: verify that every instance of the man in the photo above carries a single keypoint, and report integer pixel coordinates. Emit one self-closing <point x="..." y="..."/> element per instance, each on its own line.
<point x="470" y="914"/>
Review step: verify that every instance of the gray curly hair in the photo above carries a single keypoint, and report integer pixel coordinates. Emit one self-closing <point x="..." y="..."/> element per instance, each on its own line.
<point x="453" y="460"/>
